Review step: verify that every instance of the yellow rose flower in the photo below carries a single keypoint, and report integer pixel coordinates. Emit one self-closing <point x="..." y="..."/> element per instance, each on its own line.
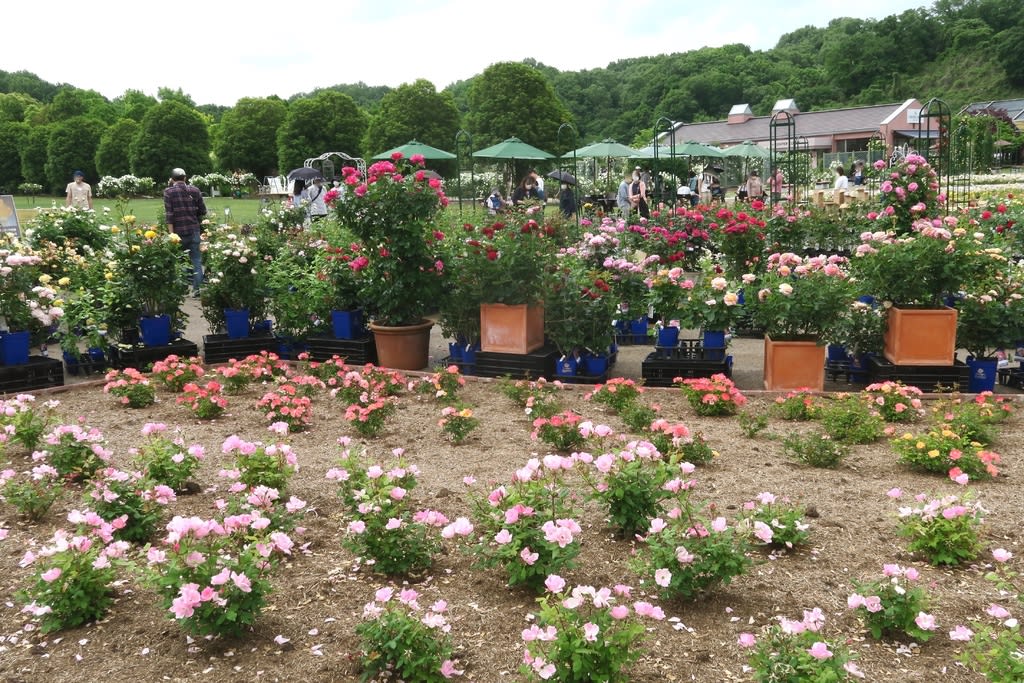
<point x="933" y="453"/>
<point x="149" y="234"/>
<point x="64" y="281"/>
<point x="114" y="230"/>
<point x="136" y="247"/>
<point x="920" y="445"/>
<point x="44" y="279"/>
<point x="108" y="275"/>
<point x="59" y="303"/>
<point x="175" y="238"/>
<point x="129" y="219"/>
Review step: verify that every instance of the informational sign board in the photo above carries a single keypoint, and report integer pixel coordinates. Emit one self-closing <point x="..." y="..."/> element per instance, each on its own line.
<point x="9" y="215"/>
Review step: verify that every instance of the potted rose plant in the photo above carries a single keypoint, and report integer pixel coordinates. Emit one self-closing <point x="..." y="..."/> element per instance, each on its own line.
<point x="235" y="287"/>
<point x="578" y="314"/>
<point x="712" y="306"/>
<point x="798" y="301"/>
<point x="392" y="211"/>
<point x="989" y="319"/>
<point x="27" y="303"/>
<point x="511" y="265"/>
<point x="913" y="275"/>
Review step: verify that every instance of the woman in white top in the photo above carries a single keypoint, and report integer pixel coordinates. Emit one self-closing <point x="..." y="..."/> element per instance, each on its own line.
<point x="79" y="194"/>
<point x="315" y="200"/>
<point x="842" y="182"/>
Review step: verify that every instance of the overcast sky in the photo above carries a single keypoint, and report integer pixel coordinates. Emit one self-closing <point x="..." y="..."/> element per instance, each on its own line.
<point x="218" y="51"/>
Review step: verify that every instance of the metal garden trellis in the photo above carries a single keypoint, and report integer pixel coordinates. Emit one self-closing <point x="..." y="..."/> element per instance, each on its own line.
<point x="463" y="149"/>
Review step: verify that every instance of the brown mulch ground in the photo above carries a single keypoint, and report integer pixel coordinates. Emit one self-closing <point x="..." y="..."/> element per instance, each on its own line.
<point x="319" y="595"/>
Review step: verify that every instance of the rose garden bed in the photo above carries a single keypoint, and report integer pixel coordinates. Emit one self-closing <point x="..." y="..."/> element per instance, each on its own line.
<point x="307" y="630"/>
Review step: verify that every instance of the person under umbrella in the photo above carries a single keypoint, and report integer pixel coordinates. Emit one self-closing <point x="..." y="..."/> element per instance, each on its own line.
<point x="567" y="200"/>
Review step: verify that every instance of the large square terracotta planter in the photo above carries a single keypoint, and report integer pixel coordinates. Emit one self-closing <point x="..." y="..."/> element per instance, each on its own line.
<point x="793" y="365"/>
<point x="517" y="328"/>
<point x="920" y="336"/>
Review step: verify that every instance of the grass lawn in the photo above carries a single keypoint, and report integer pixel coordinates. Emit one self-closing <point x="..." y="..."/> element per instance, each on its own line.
<point x="147" y="210"/>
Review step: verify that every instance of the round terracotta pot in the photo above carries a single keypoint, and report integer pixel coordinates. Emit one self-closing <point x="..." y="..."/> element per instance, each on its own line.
<point x="403" y="348"/>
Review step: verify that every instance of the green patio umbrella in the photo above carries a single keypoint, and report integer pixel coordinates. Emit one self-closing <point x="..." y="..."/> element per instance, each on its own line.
<point x="512" y="148"/>
<point x="698" y="149"/>
<point x="746" y="149"/>
<point x="607" y="148"/>
<point x="416" y="147"/>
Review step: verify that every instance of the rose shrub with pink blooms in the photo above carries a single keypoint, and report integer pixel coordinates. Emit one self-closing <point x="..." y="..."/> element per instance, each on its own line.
<point x="584" y="634"/>
<point x="262" y="465"/>
<point x="775" y="521"/>
<point x="369" y="416"/>
<point x="894" y="605"/>
<point x="205" y="401"/>
<point x="382" y="528"/>
<point x="632" y="481"/>
<point x="391" y="210"/>
<point x="712" y="396"/>
<point x="33" y="493"/>
<point x="801" y="297"/>
<point x="526" y="526"/>
<point x="936" y="259"/>
<point x="131" y="386"/>
<point x="895" y="401"/>
<point x="167" y="461"/>
<point x="686" y="553"/>
<point x="174" y="372"/>
<point x="128" y="497"/>
<point x="994" y="647"/>
<point x="941" y="449"/>
<point x="537" y="398"/>
<point x="560" y="431"/>
<point x="24" y="422"/>
<point x="457" y="422"/>
<point x="801" y="404"/>
<point x="75" y="451"/>
<point x="944" y="531"/>
<point x="213" y="575"/>
<point x="73" y="573"/>
<point x="617" y="393"/>
<point x="796" y="651"/>
<point x="399" y="638"/>
<point x="287" y="404"/>
<point x="908" y="190"/>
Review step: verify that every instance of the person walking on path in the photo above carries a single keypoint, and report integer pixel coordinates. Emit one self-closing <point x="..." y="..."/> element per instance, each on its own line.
<point x="623" y="199"/>
<point x="776" y="182"/>
<point x="79" y="193"/>
<point x="184" y="209"/>
<point x="315" y="200"/>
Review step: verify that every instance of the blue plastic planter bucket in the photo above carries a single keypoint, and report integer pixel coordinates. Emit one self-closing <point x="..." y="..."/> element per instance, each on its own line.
<point x="236" y="320"/>
<point x="714" y="344"/>
<point x="982" y="374"/>
<point x="347" y="324"/>
<point x="156" y="330"/>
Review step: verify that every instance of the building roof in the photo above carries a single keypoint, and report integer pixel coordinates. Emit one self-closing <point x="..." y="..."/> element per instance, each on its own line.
<point x="1015" y="108"/>
<point x="826" y="122"/>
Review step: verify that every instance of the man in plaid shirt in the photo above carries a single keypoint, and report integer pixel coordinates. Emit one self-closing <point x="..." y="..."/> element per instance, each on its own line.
<point x="184" y="209"/>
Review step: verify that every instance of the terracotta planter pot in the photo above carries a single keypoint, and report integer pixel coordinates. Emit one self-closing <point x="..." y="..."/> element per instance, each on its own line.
<point x="403" y="348"/>
<point x="920" y="336"/>
<point x="511" y="329"/>
<point x="793" y="365"/>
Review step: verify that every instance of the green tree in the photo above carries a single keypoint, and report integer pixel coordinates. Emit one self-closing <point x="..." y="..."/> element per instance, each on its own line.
<point x="247" y="134"/>
<point x="325" y="122"/>
<point x="33" y="155"/>
<point x="172" y="135"/>
<point x="112" y="156"/>
<point x="13" y="106"/>
<point x="13" y="135"/>
<point x="72" y="145"/>
<point x="1010" y="53"/>
<point x="71" y="102"/>
<point x="169" y="95"/>
<point x="133" y="104"/>
<point x="413" y="111"/>
<point x="511" y="99"/>
<point x="28" y="83"/>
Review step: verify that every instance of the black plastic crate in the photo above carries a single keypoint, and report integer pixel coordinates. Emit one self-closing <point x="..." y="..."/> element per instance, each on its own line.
<point x="219" y="348"/>
<point x="692" y="350"/>
<point x="533" y="365"/>
<point x="927" y="378"/>
<point x="141" y="357"/>
<point x="354" y="351"/>
<point x="39" y="373"/>
<point x="659" y="371"/>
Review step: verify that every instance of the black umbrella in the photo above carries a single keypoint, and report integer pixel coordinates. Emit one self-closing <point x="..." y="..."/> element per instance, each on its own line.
<point x="563" y="176"/>
<point x="306" y="173"/>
